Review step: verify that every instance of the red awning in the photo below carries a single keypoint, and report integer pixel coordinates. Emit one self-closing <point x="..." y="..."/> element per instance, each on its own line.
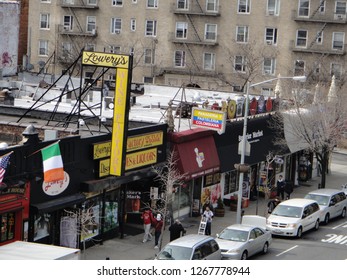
<point x="197" y="158"/>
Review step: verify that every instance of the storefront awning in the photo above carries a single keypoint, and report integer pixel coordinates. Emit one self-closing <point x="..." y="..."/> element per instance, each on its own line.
<point x="197" y="157"/>
<point x="59" y="203"/>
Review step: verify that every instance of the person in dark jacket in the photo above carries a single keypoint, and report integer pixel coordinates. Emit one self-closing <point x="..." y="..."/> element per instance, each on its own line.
<point x="158" y="226"/>
<point x="175" y="230"/>
<point x="288" y="189"/>
<point x="280" y="187"/>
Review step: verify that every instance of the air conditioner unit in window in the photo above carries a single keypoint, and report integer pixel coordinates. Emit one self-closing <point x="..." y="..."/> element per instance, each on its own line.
<point x="340" y="17"/>
<point x="93" y="31"/>
<point x="117" y="31"/>
<point x="66" y="28"/>
<point x="269" y="42"/>
<point x="271" y="13"/>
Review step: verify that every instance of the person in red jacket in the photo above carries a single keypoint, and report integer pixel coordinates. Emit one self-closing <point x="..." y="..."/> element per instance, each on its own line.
<point x="147" y="218"/>
<point x="158" y="226"/>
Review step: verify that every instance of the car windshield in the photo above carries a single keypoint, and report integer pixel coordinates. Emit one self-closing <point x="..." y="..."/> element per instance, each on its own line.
<point x="175" y="253"/>
<point x="234" y="235"/>
<point x="287" y="211"/>
<point x="321" y="199"/>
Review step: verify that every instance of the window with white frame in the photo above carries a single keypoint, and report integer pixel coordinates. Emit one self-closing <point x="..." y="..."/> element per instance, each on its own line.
<point x="340" y="8"/>
<point x="44" y="21"/>
<point x="149" y="56"/>
<point x="90" y="47"/>
<point x="273" y="7"/>
<point x="304" y="8"/>
<point x="69" y="2"/>
<point x="321" y="8"/>
<point x="240" y="63"/>
<point x="319" y="37"/>
<point x="152" y="4"/>
<point x="269" y="66"/>
<point x="45" y="1"/>
<point x="336" y="70"/>
<point x="182" y="4"/>
<point x="117" y="3"/>
<point x="151" y="28"/>
<point x="66" y="50"/>
<point x="134" y="1"/>
<point x="115" y="49"/>
<point x="92" y="2"/>
<point x="209" y="61"/>
<point x="43" y="47"/>
<point x="91" y="24"/>
<point x="211" y="32"/>
<point x="212" y="5"/>
<point x="271" y="36"/>
<point x="301" y="38"/>
<point x="181" y="30"/>
<point x="338" y="40"/>
<point x="68" y="23"/>
<point x="299" y="68"/>
<point x="133" y="24"/>
<point x="180" y="58"/>
<point x="116" y="25"/>
<point x="242" y="34"/>
<point x="267" y="91"/>
<point x="148" y="80"/>
<point x="243" y="6"/>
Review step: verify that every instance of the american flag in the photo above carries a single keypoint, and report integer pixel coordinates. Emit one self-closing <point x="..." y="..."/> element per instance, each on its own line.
<point x="3" y="164"/>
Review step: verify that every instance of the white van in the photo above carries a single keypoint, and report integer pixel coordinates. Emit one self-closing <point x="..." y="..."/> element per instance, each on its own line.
<point x="332" y="202"/>
<point x="294" y="216"/>
<point x="191" y="247"/>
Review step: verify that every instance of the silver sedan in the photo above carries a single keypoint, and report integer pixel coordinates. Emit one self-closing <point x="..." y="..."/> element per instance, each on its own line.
<point x="241" y="241"/>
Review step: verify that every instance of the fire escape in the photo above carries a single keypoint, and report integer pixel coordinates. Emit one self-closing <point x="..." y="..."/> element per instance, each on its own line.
<point x="195" y="15"/>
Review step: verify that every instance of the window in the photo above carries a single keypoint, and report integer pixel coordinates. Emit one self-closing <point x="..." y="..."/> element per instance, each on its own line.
<point x="273" y="7"/>
<point x="180" y="58"/>
<point x="181" y="30"/>
<point x="210" y="32"/>
<point x="338" y="40"/>
<point x="134" y="1"/>
<point x="319" y="37"/>
<point x="242" y="34"/>
<point x="115" y="49"/>
<point x="66" y="50"/>
<point x="182" y="4"/>
<point x="149" y="56"/>
<point x="148" y="80"/>
<point x="152" y="3"/>
<point x="239" y="63"/>
<point x="304" y="7"/>
<point x="118" y="3"/>
<point x="301" y="38"/>
<point x="321" y="8"/>
<point x="340" y="8"/>
<point x="91" y="24"/>
<point x="299" y="68"/>
<point x="116" y="25"/>
<point x="243" y="6"/>
<point x="336" y="70"/>
<point x="212" y="5"/>
<point x="269" y="66"/>
<point x="151" y="28"/>
<point x="132" y="24"/>
<point x="68" y="23"/>
<point x="271" y="36"/>
<point x="45" y="1"/>
<point x="8" y="221"/>
<point x="44" y="21"/>
<point x="43" y="48"/>
<point x="209" y="61"/>
<point x="90" y="47"/>
<point x="92" y="2"/>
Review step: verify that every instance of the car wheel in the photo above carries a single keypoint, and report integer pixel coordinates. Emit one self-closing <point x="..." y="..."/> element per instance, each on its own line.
<point x="266" y="248"/>
<point x="244" y="255"/>
<point x="316" y="226"/>
<point x="343" y="214"/>
<point x="299" y="232"/>
<point x="326" y="218"/>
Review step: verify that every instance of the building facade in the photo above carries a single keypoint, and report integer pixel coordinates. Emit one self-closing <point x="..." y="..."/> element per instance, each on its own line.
<point x="212" y="44"/>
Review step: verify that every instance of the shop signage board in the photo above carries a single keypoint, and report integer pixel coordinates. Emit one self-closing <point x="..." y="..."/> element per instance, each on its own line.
<point x="209" y="119"/>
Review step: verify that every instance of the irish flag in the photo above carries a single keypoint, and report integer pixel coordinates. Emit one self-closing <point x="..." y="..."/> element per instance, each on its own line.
<point x="52" y="163"/>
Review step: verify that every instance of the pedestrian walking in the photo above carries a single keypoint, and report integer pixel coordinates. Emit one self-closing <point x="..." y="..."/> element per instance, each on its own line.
<point x="288" y="189"/>
<point x="158" y="226"/>
<point x="208" y="215"/>
<point x="280" y="187"/>
<point x="147" y="218"/>
<point x="176" y="229"/>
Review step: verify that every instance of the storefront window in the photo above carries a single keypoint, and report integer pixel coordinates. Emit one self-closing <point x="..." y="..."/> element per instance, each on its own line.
<point x="7" y="226"/>
<point x="91" y="214"/>
<point x="181" y="197"/>
<point x="111" y="211"/>
<point x="230" y="182"/>
<point x="212" y="190"/>
<point x="41" y="226"/>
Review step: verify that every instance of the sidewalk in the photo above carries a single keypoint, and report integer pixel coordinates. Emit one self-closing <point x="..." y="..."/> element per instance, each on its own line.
<point x="132" y="248"/>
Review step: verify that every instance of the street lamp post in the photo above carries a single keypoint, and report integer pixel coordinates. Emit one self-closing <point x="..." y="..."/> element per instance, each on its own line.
<point x="243" y="147"/>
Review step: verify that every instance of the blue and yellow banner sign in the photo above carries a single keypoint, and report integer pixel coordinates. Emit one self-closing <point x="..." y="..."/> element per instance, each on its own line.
<point x="209" y="119"/>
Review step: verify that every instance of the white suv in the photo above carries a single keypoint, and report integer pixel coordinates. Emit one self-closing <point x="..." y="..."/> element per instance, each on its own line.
<point x="332" y="202"/>
<point x="294" y="216"/>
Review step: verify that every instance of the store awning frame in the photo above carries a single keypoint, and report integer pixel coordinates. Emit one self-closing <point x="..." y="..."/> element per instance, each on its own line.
<point x="59" y="203"/>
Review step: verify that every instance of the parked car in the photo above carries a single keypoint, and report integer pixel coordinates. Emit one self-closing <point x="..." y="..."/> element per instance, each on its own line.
<point x="241" y="241"/>
<point x="191" y="247"/>
<point x="332" y="202"/>
<point x="294" y="216"/>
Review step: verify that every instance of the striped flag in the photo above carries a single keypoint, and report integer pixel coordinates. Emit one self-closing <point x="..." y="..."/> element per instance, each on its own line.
<point x="3" y="165"/>
<point x="52" y="163"/>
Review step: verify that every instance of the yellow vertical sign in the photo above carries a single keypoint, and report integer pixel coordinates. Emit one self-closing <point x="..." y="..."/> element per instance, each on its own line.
<point x="119" y="123"/>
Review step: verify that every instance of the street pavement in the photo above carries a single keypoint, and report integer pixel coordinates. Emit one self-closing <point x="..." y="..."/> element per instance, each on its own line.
<point x="132" y="248"/>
